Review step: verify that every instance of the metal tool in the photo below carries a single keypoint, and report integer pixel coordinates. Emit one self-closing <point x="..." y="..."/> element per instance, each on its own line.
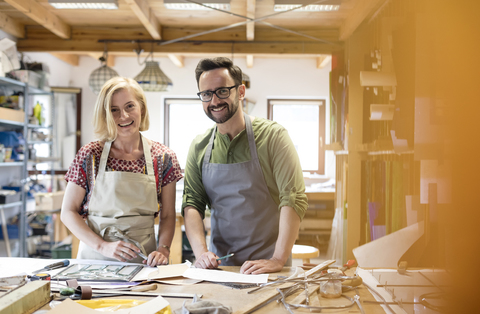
<point x="142" y="255"/>
<point x="237" y="285"/>
<point x="53" y="266"/>
<point x="357" y="300"/>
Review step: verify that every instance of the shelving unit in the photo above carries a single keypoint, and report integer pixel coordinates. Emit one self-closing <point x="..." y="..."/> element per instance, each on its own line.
<point x="371" y="171"/>
<point x="5" y="124"/>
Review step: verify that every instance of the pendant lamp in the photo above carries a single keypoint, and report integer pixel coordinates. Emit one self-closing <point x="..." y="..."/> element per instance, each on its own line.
<point x="101" y="75"/>
<point x="152" y="78"/>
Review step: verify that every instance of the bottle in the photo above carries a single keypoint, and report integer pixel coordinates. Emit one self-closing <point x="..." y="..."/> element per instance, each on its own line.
<point x="37" y="112"/>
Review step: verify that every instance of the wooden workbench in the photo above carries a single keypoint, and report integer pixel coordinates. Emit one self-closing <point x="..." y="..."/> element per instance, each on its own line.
<point x="240" y="299"/>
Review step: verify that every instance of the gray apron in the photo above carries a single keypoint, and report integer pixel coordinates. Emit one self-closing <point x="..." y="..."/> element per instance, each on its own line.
<point x="244" y="216"/>
<point x="122" y="207"/>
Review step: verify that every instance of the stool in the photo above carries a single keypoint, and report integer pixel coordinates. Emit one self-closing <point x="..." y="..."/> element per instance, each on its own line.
<point x="304" y="252"/>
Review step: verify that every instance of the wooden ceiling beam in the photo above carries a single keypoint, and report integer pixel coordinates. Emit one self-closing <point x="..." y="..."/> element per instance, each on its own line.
<point x="177" y="60"/>
<point x="251" y="4"/>
<point x="83" y="47"/>
<point x="145" y="14"/>
<point x="11" y="26"/>
<point x="67" y="58"/>
<point x="362" y="9"/>
<point x="42" y="16"/>
<point x="322" y="61"/>
<point x="88" y="39"/>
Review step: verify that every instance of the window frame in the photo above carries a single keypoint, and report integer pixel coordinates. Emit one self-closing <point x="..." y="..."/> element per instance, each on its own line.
<point x="321" y="131"/>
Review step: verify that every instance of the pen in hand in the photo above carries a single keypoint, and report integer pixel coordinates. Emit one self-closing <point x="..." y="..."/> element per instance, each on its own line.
<point x="226" y="256"/>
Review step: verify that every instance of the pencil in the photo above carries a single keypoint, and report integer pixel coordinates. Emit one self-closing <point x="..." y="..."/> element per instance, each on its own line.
<point x="226" y="256"/>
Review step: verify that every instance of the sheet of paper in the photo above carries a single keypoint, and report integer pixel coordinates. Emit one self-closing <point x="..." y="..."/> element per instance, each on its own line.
<point x="178" y="281"/>
<point x="161" y="272"/>
<point x="223" y="276"/>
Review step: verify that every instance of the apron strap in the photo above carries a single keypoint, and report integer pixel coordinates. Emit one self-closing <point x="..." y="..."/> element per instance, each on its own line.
<point x="103" y="158"/>
<point x="208" y="152"/>
<point x="148" y="156"/>
<point x="251" y="138"/>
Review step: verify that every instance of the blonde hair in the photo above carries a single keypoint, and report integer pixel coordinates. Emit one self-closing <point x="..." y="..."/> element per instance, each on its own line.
<point x="103" y="123"/>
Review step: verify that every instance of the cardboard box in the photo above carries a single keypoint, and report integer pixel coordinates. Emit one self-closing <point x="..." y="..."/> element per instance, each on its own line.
<point x="12" y="115"/>
<point x="29" y="77"/>
<point x="49" y="201"/>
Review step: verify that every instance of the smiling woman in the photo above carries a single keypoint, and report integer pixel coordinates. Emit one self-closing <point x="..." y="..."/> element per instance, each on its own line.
<point x="120" y="183"/>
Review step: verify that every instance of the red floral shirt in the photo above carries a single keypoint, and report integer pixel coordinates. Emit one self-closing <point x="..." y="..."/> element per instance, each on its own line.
<point x="84" y="168"/>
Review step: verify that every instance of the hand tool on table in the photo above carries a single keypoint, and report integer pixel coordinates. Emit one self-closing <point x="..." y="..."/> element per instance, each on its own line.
<point x="53" y="266"/>
<point x="357" y="300"/>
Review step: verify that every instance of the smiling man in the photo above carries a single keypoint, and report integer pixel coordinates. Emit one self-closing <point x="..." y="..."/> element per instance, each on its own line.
<point x="247" y="171"/>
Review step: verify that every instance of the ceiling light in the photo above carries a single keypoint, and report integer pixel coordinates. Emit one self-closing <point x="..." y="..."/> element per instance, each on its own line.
<point x="182" y="5"/>
<point x="100" y="76"/>
<point x="84" y="4"/>
<point x="194" y="6"/>
<point x="152" y="78"/>
<point x="308" y="8"/>
<point x="321" y="6"/>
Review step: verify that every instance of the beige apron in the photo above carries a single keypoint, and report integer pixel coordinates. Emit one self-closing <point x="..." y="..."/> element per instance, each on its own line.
<point x="122" y="207"/>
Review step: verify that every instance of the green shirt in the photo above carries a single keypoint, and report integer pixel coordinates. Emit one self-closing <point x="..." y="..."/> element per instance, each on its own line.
<point x="278" y="159"/>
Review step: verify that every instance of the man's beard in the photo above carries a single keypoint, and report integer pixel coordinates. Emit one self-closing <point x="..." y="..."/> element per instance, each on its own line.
<point x="230" y="112"/>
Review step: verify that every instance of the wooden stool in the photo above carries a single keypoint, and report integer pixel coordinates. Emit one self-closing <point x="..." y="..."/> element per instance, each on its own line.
<point x="304" y="252"/>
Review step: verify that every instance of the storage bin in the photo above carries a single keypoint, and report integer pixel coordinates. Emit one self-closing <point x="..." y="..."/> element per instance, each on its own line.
<point x="49" y="201"/>
<point x="62" y="251"/>
<point x="9" y="198"/>
<point x="12" y="231"/>
<point x="29" y="77"/>
<point x="12" y="115"/>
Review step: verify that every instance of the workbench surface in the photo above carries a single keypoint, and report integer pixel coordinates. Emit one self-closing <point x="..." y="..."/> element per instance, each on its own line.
<point x="240" y="300"/>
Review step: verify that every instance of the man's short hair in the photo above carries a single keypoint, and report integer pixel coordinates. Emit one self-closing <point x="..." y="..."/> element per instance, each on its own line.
<point x="209" y="64"/>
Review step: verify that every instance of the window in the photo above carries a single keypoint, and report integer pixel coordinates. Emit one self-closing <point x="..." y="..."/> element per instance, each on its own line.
<point x="305" y="122"/>
<point x="184" y="120"/>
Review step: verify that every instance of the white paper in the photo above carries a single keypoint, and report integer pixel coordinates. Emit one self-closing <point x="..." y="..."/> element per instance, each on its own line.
<point x="178" y="281"/>
<point x="9" y="55"/>
<point x="387" y="251"/>
<point x="162" y="272"/>
<point x="372" y="282"/>
<point x="223" y="276"/>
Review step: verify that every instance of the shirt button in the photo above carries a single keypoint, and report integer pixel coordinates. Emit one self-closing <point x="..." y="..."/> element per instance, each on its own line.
<point x="230" y="153"/>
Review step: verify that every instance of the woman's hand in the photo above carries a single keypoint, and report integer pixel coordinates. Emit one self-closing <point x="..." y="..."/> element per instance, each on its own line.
<point x="157" y="258"/>
<point x="122" y="251"/>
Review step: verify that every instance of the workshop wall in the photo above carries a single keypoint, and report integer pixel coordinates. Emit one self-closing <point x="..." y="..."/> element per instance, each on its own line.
<point x="270" y="78"/>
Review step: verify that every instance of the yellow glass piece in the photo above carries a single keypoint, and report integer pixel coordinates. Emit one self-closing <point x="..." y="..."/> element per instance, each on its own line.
<point x="112" y="305"/>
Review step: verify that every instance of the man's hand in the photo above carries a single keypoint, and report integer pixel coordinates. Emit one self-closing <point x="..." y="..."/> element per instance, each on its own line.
<point x="156" y="258"/>
<point x="261" y="266"/>
<point x="119" y="250"/>
<point x="207" y="260"/>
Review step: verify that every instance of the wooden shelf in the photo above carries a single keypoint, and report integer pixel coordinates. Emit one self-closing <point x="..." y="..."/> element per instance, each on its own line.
<point x="320" y="196"/>
<point x="337" y="146"/>
<point x="11" y="164"/>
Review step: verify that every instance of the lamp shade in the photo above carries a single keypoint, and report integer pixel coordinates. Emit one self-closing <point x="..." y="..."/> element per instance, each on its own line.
<point x="152" y="78"/>
<point x="99" y="76"/>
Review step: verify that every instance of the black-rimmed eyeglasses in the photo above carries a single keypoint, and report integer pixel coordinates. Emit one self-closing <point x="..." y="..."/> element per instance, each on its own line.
<point x="222" y="93"/>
